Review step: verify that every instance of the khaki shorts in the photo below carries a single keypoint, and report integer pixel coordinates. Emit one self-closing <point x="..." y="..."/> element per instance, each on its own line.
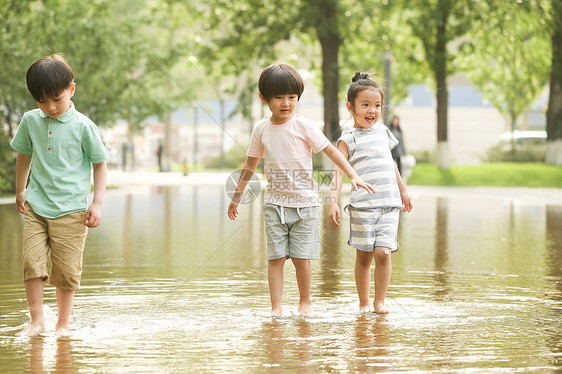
<point x="60" y="240"/>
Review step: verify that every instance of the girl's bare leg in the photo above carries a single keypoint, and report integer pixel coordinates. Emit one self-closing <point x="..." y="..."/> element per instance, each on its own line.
<point x="275" y="279"/>
<point x="303" y="270"/>
<point x="34" y="293"/>
<point x="64" y="305"/>
<point x="383" y="269"/>
<point x="363" y="262"/>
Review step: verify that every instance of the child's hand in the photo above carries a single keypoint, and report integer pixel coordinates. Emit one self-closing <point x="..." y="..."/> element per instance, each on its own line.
<point x="20" y="201"/>
<point x="233" y="210"/>
<point x="334" y="215"/>
<point x="407" y="202"/>
<point x="358" y="182"/>
<point x="93" y="216"/>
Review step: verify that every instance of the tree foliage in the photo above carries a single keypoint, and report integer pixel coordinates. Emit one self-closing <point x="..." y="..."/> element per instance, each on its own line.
<point x="374" y="33"/>
<point x="242" y="37"/>
<point x="123" y="55"/>
<point x="554" y="115"/>
<point x="508" y="55"/>
<point x="437" y="24"/>
<point x="99" y="41"/>
<point x="136" y="59"/>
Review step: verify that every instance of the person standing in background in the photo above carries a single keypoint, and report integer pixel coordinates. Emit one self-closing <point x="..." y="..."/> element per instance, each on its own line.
<point x="399" y="150"/>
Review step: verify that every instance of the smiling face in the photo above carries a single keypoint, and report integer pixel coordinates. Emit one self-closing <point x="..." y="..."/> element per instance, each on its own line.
<point x="367" y="108"/>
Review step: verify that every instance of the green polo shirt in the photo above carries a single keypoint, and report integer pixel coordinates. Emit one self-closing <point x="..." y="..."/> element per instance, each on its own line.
<point x="62" y="150"/>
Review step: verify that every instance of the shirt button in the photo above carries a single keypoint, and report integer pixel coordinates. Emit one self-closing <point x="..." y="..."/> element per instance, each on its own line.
<point x="50" y="132"/>
<point x="49" y="148"/>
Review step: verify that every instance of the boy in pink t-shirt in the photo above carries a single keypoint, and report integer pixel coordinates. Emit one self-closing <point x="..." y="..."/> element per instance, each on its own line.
<point x="286" y="140"/>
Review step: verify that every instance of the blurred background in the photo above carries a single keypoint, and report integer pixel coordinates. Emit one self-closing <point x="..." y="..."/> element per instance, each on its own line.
<point x="472" y="81"/>
<point x="477" y="85"/>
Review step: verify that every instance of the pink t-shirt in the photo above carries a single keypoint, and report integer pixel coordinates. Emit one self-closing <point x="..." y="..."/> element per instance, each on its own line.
<point x="286" y="150"/>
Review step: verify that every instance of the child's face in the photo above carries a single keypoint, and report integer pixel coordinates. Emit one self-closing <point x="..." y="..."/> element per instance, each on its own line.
<point x="367" y="108"/>
<point x="55" y="107"/>
<point x="282" y="107"/>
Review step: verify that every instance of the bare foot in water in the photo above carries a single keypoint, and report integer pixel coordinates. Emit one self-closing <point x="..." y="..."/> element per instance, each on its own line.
<point x="32" y="330"/>
<point x="364" y="308"/>
<point x="276" y="312"/>
<point x="380" y="308"/>
<point x="62" y="331"/>
<point x="304" y="309"/>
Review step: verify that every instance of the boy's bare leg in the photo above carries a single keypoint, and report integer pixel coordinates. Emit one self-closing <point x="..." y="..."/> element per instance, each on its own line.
<point x="363" y="262"/>
<point x="34" y="293"/>
<point x="383" y="269"/>
<point x="275" y="279"/>
<point x="303" y="270"/>
<point x="64" y="305"/>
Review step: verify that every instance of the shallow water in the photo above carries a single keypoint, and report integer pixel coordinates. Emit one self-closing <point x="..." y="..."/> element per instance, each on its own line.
<point x="171" y="285"/>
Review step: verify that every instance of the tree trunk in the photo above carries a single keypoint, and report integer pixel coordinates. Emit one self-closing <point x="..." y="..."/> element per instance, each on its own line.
<point x="440" y="65"/>
<point x="167" y="158"/>
<point x="195" y="160"/>
<point x="330" y="41"/>
<point x="512" y="119"/>
<point x="554" y="114"/>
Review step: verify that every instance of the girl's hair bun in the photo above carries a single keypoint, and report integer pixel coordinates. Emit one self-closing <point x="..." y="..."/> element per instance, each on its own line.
<point x="359" y="75"/>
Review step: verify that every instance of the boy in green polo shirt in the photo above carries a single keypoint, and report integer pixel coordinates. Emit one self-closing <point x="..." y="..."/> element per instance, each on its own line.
<point x="56" y="147"/>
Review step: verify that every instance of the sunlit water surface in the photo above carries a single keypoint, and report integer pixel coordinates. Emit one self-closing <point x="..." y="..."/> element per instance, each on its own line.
<point x="171" y="285"/>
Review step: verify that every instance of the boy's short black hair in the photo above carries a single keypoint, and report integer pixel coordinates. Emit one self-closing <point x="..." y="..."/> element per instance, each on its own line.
<point x="48" y="77"/>
<point x="280" y="79"/>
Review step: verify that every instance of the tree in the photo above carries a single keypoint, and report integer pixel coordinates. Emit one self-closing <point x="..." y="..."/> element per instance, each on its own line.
<point x="100" y="44"/>
<point x="507" y="56"/>
<point x="14" y="98"/>
<point x="242" y="37"/>
<point x="323" y="17"/>
<point x="16" y="51"/>
<point x="554" y="114"/>
<point x="383" y="38"/>
<point x="437" y="24"/>
<point x="169" y="64"/>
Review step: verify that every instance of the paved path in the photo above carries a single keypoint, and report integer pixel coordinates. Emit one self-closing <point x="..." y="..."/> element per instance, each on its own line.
<point x="540" y="196"/>
<point x="145" y="178"/>
<point x="532" y="196"/>
<point x="134" y="181"/>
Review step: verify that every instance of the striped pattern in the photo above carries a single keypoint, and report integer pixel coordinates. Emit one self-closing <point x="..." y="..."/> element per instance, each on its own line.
<point x="376" y="227"/>
<point x="370" y="155"/>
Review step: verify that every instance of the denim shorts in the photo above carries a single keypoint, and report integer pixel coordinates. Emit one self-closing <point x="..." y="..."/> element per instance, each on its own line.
<point x="292" y="232"/>
<point x="373" y="227"/>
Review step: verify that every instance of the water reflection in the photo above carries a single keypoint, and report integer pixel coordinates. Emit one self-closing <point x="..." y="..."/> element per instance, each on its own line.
<point x="372" y="342"/>
<point x="554" y="261"/>
<point x="554" y="241"/>
<point x="171" y="285"/>
<point x="331" y="252"/>
<point x="35" y="356"/>
<point x="440" y="258"/>
<point x="11" y="229"/>
<point x="288" y="346"/>
<point x="40" y="357"/>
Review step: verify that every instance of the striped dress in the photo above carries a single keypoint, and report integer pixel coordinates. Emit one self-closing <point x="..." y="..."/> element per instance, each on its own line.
<point x="370" y="155"/>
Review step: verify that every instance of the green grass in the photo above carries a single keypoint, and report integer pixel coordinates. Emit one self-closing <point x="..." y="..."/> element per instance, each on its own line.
<point x="502" y="174"/>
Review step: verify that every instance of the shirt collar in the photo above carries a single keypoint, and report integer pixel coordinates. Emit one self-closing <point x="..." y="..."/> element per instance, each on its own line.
<point x="66" y="116"/>
<point x="357" y="130"/>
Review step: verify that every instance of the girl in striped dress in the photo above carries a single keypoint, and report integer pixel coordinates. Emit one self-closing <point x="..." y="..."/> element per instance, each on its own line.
<point x="373" y="217"/>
